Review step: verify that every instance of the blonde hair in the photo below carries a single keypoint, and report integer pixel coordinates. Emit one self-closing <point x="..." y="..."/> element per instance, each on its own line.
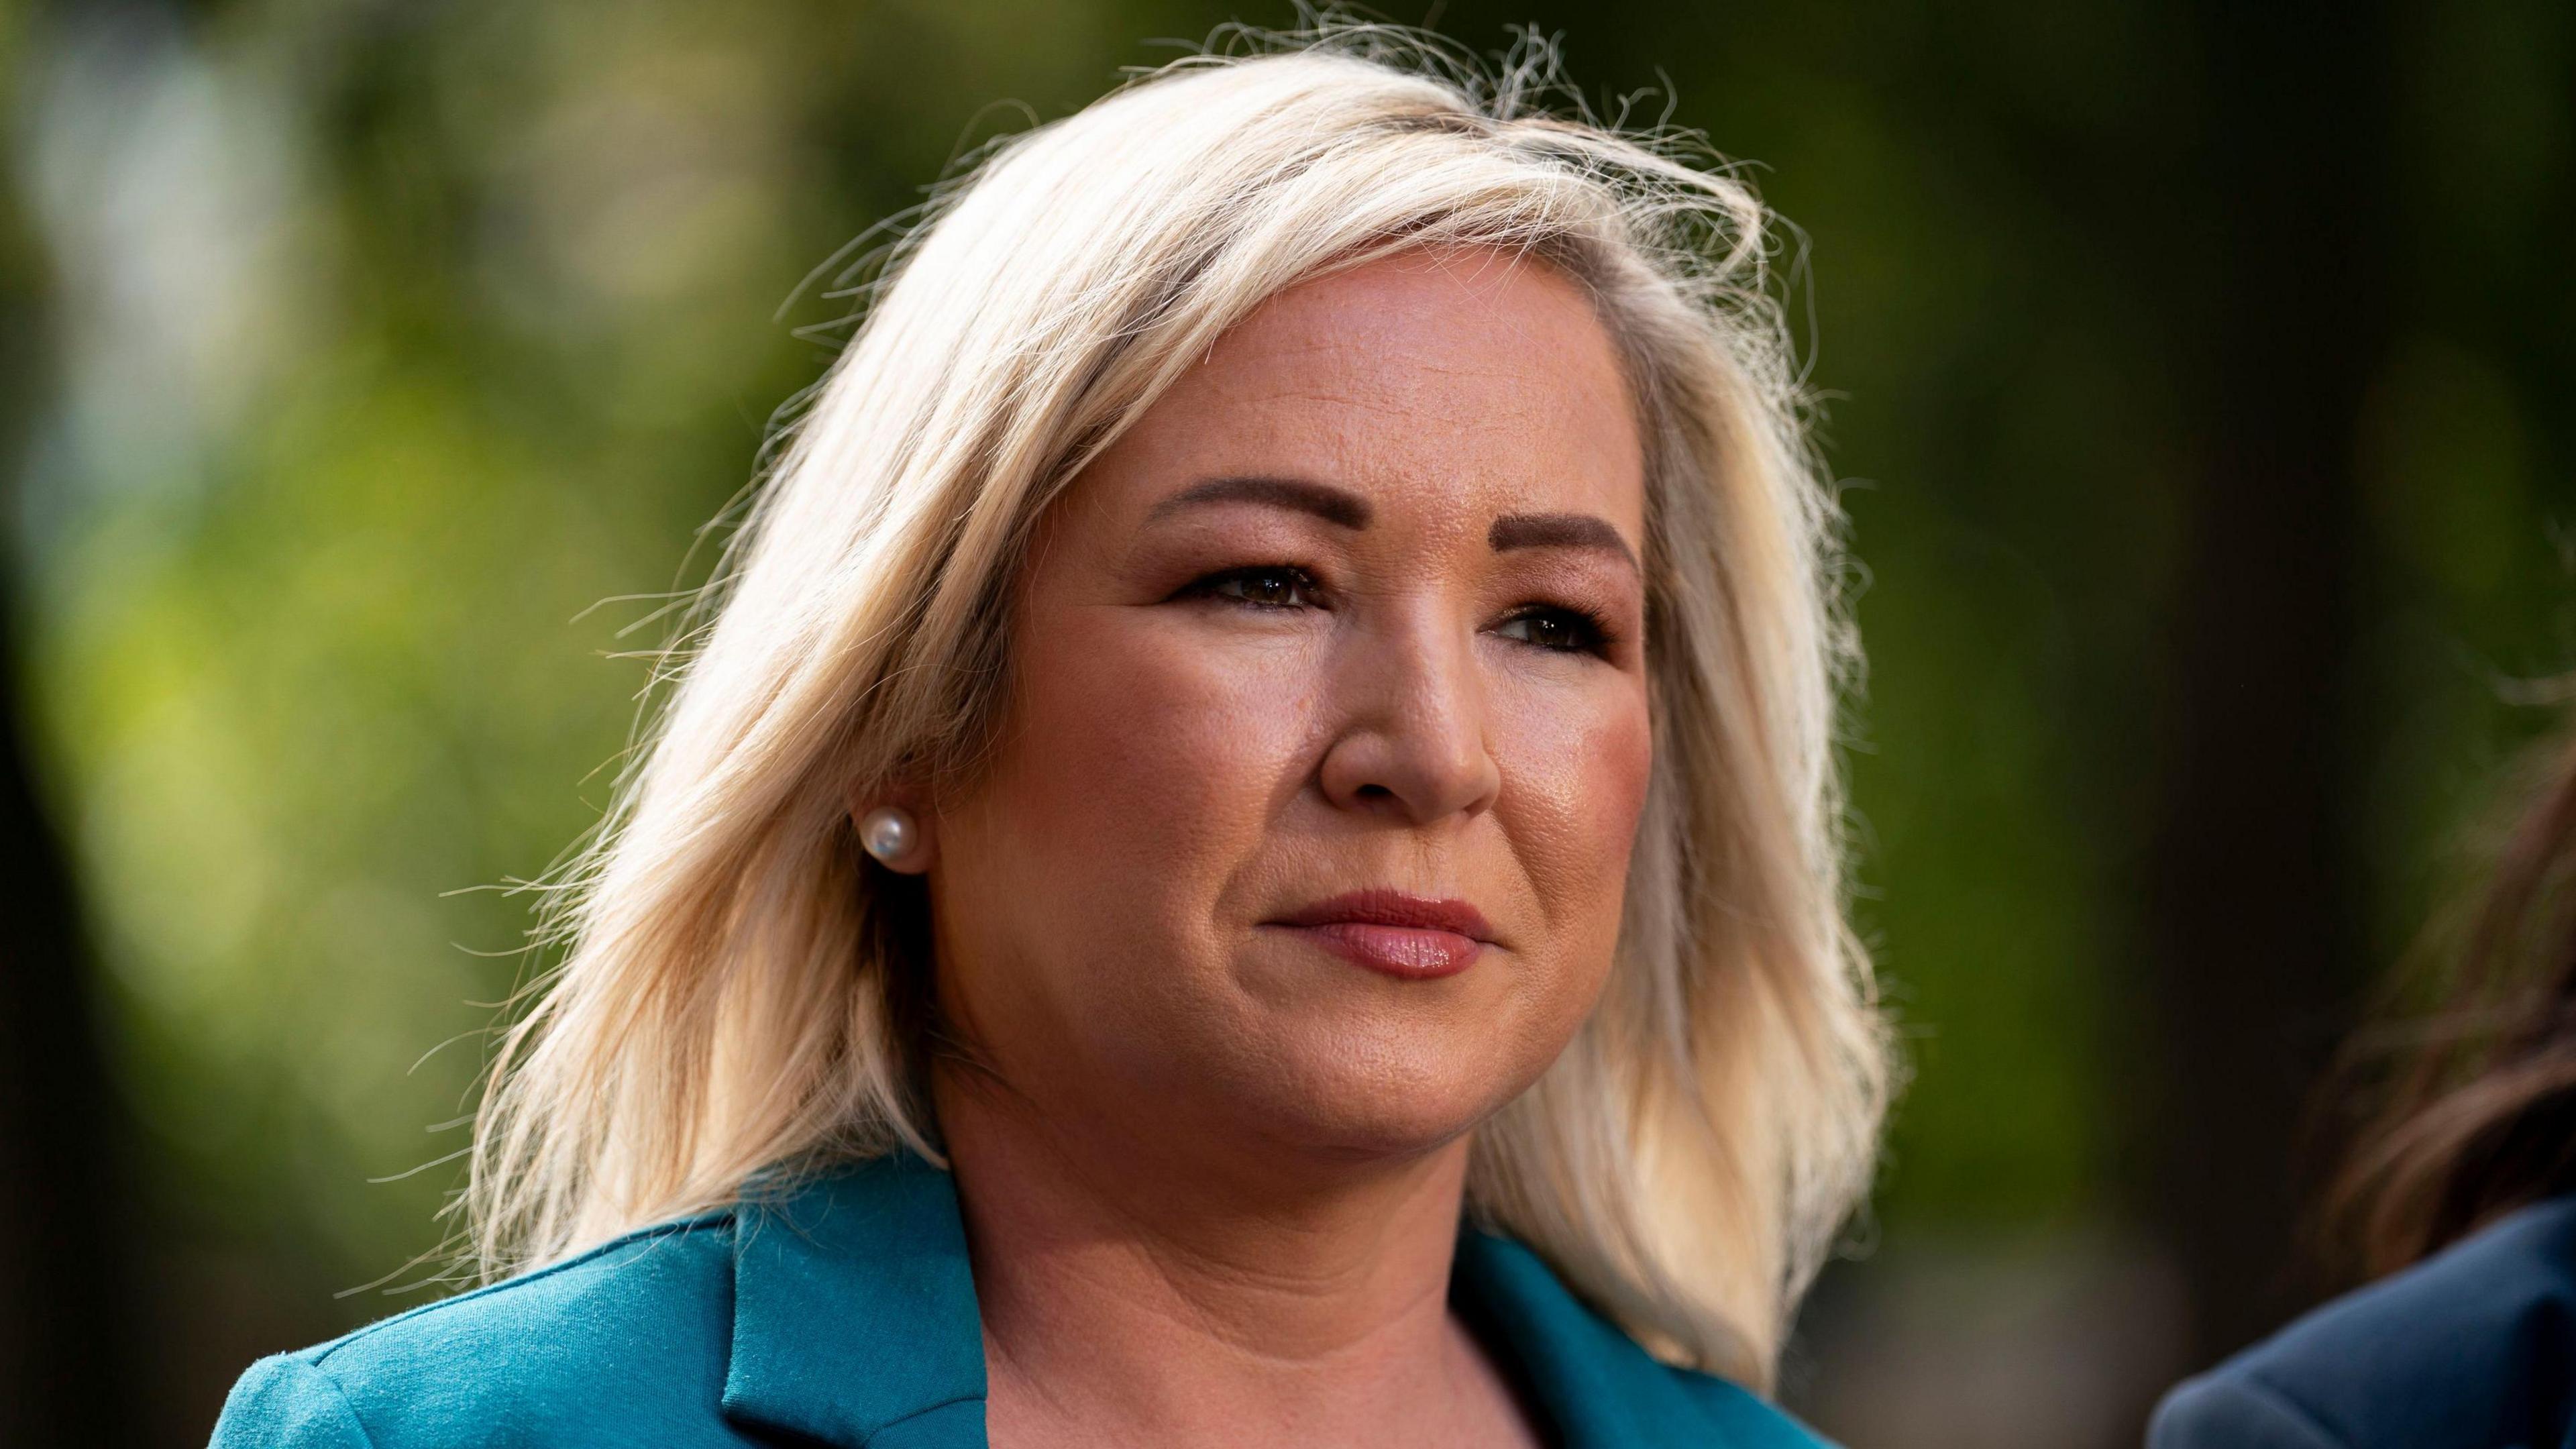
<point x="739" y="990"/>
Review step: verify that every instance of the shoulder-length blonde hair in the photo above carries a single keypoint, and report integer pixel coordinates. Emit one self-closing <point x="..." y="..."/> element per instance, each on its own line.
<point x="739" y="989"/>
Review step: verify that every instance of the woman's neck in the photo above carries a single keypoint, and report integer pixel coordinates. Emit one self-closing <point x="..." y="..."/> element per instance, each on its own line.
<point x="1137" y="1295"/>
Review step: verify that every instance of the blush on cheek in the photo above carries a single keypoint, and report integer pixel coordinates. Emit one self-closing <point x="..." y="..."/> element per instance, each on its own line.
<point x="1583" y="871"/>
<point x="1621" y="765"/>
<point x="1577" y="778"/>
<point x="1135" y="738"/>
<point x="1622" y="761"/>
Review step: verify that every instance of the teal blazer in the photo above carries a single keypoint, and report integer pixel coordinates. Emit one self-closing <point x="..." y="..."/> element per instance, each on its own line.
<point x="842" y="1313"/>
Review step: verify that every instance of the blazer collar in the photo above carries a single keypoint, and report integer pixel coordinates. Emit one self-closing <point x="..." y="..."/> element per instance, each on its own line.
<point x="854" y="1312"/>
<point x="1593" y="1384"/>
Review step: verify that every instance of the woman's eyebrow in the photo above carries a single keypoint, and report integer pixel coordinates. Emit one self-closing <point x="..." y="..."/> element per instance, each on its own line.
<point x="1328" y="503"/>
<point x="1559" y="530"/>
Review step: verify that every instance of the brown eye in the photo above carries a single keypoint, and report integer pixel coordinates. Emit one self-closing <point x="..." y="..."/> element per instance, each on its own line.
<point x="1562" y="631"/>
<point x="1272" y="586"/>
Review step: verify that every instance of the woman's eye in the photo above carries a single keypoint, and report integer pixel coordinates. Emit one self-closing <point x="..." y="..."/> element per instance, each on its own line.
<point x="1565" y="631"/>
<point x="1269" y="586"/>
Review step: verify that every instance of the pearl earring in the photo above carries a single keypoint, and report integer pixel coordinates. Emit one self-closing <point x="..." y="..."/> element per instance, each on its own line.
<point x="889" y="833"/>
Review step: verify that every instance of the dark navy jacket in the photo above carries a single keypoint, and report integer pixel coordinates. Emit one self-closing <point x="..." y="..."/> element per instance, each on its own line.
<point x="844" y="1314"/>
<point x="2473" y="1348"/>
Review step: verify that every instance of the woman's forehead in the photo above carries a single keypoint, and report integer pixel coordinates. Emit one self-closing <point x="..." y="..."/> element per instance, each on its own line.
<point x="1464" y="379"/>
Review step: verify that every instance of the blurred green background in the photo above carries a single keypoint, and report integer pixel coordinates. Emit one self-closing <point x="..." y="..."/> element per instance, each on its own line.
<point x="2199" y="378"/>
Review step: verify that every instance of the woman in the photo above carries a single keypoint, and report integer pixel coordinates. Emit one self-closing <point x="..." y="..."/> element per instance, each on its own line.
<point x="2464" y="1194"/>
<point x="1249" y="855"/>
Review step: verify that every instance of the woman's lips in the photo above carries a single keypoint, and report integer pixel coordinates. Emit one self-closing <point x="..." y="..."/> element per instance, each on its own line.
<point x="1410" y="952"/>
<point x="1399" y="935"/>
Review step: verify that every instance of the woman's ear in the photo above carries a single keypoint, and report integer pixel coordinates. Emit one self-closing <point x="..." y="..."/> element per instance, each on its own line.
<point x="894" y="828"/>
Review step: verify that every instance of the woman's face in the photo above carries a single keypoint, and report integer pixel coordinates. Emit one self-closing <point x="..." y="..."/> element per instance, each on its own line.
<point x="1351" y="620"/>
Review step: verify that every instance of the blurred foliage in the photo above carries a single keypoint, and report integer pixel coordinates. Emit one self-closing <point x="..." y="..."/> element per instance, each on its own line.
<point x="390" y="339"/>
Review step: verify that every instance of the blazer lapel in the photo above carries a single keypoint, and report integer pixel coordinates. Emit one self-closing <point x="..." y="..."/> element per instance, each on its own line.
<point x="854" y="1318"/>
<point x="1595" y="1386"/>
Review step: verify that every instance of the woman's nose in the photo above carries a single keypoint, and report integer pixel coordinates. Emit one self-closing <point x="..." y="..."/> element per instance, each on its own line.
<point x="1409" y="699"/>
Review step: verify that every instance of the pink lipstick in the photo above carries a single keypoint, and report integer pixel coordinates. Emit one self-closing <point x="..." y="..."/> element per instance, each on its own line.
<point x="1399" y="935"/>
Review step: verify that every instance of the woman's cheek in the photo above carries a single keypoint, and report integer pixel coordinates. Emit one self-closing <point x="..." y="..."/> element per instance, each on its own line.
<point x="1575" y="776"/>
<point x="1160" y="740"/>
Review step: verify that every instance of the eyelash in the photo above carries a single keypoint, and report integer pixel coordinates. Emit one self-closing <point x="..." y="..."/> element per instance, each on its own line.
<point x="1592" y="634"/>
<point x="1595" y="632"/>
<point x="1208" y="587"/>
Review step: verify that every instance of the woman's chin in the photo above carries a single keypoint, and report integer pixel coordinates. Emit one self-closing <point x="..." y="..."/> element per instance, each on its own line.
<point x="1373" y="1107"/>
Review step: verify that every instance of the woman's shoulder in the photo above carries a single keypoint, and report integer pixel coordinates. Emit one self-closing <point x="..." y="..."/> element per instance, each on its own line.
<point x="2474" y="1345"/>
<point x="636" y="1327"/>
